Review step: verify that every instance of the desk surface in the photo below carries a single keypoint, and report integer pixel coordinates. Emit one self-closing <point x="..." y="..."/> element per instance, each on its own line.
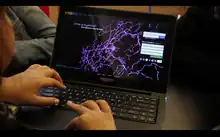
<point x="187" y="109"/>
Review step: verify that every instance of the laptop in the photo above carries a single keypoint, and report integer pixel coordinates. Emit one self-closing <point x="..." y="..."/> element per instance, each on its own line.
<point x="120" y="56"/>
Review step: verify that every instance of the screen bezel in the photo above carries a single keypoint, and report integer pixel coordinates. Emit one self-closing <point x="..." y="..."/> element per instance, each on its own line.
<point x="169" y="19"/>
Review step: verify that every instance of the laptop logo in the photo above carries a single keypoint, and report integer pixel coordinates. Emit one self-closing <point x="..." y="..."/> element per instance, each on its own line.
<point x="108" y="80"/>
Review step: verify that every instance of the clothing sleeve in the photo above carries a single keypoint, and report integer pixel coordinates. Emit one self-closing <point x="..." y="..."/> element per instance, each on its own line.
<point x="42" y="31"/>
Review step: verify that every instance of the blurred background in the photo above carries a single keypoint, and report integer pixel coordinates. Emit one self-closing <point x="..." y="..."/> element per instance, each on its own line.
<point x="52" y="11"/>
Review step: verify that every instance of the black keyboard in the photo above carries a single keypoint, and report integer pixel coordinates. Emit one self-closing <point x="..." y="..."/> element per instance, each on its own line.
<point x="124" y="105"/>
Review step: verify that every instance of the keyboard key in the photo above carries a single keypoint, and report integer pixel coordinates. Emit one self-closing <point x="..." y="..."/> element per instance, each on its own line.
<point x="95" y="94"/>
<point x="143" y="113"/>
<point x="150" y="120"/>
<point x="133" y="112"/>
<point x="152" y="110"/>
<point x="153" y="99"/>
<point x="119" y="101"/>
<point x="153" y="103"/>
<point x="56" y="91"/>
<point x="146" y="98"/>
<point x="151" y="115"/>
<point x="136" y="108"/>
<point x="143" y="101"/>
<point x="112" y="104"/>
<point x="143" y="105"/>
<point x="56" y="95"/>
<point x="124" y="110"/>
<point x="113" y="109"/>
<point x="112" y="100"/>
<point x="152" y="106"/>
<point x="140" y="97"/>
<point x="47" y="94"/>
<point x="142" y="118"/>
<point x="134" y="117"/>
<point x="48" y="90"/>
<point x="64" y="105"/>
<point x="125" y="115"/>
<point x="134" y="97"/>
<point x="63" y="96"/>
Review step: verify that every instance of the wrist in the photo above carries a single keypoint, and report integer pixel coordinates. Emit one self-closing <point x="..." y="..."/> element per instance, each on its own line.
<point x="4" y="89"/>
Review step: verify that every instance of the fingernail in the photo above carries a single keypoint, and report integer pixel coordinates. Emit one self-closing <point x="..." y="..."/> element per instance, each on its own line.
<point x="57" y="101"/>
<point x="69" y="102"/>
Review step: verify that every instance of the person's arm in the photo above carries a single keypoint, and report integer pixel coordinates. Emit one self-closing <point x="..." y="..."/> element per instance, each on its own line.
<point x="42" y="31"/>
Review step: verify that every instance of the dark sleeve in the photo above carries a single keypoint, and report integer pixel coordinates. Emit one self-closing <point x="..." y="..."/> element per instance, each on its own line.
<point x="188" y="53"/>
<point x="187" y="33"/>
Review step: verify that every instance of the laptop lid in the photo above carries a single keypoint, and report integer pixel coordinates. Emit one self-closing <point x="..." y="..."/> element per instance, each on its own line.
<point x="115" y="48"/>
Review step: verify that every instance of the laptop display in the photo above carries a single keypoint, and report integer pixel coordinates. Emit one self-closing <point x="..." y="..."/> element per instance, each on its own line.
<point x="120" y="50"/>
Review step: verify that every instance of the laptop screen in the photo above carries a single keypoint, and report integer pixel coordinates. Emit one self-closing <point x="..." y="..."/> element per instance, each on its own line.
<point x="111" y="49"/>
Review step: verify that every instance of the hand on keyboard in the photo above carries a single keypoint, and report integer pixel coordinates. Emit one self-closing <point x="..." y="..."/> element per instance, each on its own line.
<point x="24" y="88"/>
<point x="93" y="116"/>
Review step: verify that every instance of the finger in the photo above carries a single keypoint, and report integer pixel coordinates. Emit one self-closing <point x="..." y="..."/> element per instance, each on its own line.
<point x="50" y="82"/>
<point x="45" y="67"/>
<point x="42" y="101"/>
<point x="72" y="124"/>
<point x="79" y="109"/>
<point x="91" y="105"/>
<point x="48" y="72"/>
<point x="34" y="66"/>
<point x="103" y="105"/>
<point x="57" y="76"/>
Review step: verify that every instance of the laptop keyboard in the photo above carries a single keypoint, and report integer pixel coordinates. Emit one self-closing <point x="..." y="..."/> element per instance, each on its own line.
<point x="140" y="108"/>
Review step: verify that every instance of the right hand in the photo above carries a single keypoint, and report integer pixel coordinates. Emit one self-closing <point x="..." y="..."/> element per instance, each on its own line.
<point x="93" y="116"/>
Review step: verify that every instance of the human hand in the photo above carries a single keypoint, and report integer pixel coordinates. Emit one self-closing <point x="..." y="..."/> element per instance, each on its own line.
<point x="93" y="116"/>
<point x="24" y="88"/>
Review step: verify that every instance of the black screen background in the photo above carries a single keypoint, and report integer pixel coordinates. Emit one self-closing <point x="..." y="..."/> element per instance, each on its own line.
<point x="68" y="52"/>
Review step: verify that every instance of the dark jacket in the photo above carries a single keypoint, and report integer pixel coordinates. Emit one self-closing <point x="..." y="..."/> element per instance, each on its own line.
<point x="196" y="58"/>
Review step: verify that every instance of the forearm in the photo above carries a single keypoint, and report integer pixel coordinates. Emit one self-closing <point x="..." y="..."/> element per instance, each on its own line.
<point x="29" y="51"/>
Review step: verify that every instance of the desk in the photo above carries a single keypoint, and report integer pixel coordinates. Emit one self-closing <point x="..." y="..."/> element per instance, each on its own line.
<point x="188" y="109"/>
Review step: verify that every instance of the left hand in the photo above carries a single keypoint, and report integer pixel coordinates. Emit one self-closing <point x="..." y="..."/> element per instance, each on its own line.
<point x="24" y="88"/>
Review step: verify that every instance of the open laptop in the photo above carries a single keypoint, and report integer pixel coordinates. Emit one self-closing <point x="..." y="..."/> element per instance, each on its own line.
<point x="120" y="56"/>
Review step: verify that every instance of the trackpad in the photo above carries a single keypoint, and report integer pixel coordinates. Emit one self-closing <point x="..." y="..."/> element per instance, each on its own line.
<point x="45" y="118"/>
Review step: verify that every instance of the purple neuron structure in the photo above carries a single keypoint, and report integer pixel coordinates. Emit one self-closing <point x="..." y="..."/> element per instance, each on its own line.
<point x="107" y="54"/>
